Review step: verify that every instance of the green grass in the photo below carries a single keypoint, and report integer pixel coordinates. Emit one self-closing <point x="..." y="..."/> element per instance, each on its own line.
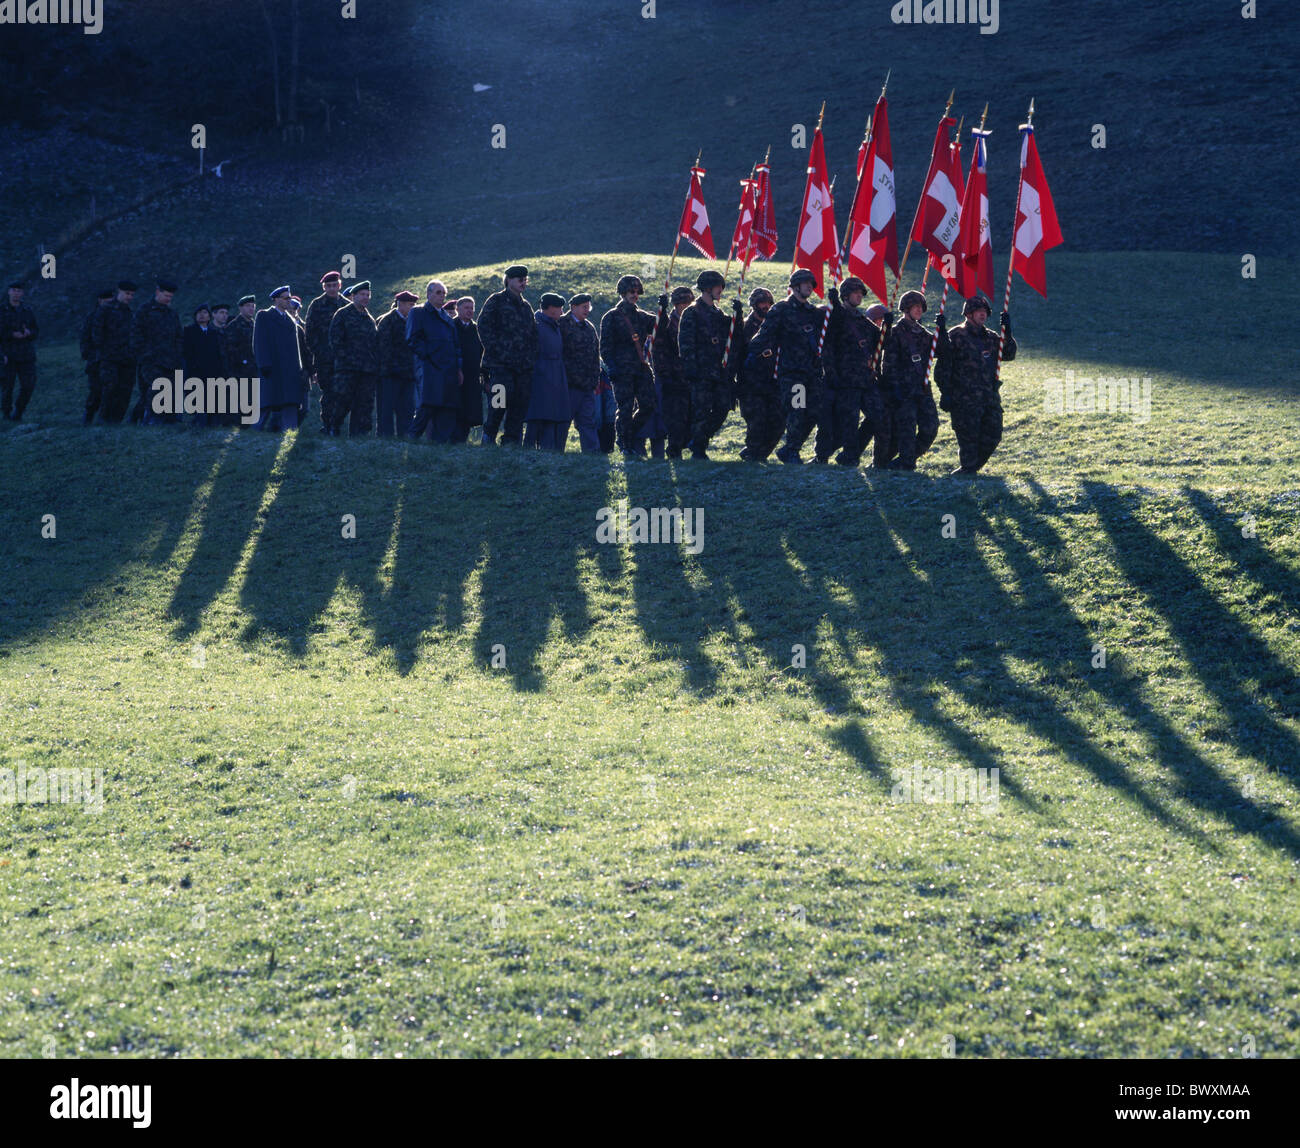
<point x="330" y="824"/>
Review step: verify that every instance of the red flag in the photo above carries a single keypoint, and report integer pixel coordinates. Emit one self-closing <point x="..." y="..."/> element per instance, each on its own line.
<point x="741" y="238"/>
<point x="976" y="243"/>
<point x="936" y="226"/>
<point x="878" y="169"/>
<point x="958" y="183"/>
<point x="694" y="226"/>
<point x="815" y="242"/>
<point x="1036" y="225"/>
<point x="866" y="256"/>
<point x="764" y="215"/>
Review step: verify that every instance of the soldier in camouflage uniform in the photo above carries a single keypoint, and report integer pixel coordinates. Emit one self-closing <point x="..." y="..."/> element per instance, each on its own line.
<point x="237" y="352"/>
<point x="507" y="328"/>
<point x="90" y="356"/>
<point x="907" y="359"/>
<point x="624" y="330"/>
<point x="582" y="369"/>
<point x="354" y="343"/>
<point x="673" y="385"/>
<point x="320" y="313"/>
<point x="968" y="358"/>
<point x="18" y="331"/>
<point x="111" y="335"/>
<point x="851" y="341"/>
<point x="701" y="345"/>
<point x="791" y="336"/>
<point x="156" y="346"/>
<point x="396" y="368"/>
<point x="759" y="392"/>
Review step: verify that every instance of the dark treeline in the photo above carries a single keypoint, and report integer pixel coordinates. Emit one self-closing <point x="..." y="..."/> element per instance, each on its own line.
<point x="288" y="70"/>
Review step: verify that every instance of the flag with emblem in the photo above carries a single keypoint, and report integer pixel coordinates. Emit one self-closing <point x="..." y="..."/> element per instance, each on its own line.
<point x="866" y="256"/>
<point x="815" y="241"/>
<point x="742" y="239"/>
<point x="1037" y="228"/>
<point x="694" y="226"/>
<point x="937" y="223"/>
<point x="976" y="244"/>
<point x="878" y="169"/>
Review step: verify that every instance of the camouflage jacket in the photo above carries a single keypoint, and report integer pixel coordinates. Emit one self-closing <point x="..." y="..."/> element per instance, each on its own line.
<point x="701" y="341"/>
<point x="793" y="327"/>
<point x="581" y="353"/>
<point x="14" y="319"/>
<point x="89" y="351"/>
<point x="237" y="347"/>
<point x="851" y="341"/>
<point x="623" y="332"/>
<point x="111" y="333"/>
<point x="354" y="340"/>
<point x="319" y="313"/>
<point x="395" y="358"/>
<point x="507" y="328"/>
<point x="907" y="357"/>
<point x="156" y="336"/>
<point x="970" y="358"/>
<point x="667" y="360"/>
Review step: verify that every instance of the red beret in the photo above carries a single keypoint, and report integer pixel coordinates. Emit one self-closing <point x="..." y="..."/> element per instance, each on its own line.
<point x="406" y="297"/>
<point x="331" y="276"/>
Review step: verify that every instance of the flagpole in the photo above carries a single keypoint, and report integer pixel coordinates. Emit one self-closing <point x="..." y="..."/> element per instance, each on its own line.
<point x="1011" y="260"/>
<point x="853" y="203"/>
<point x="744" y="189"/>
<point x="795" y="255"/>
<point x="835" y="270"/>
<point x="677" y="241"/>
<point x="916" y="215"/>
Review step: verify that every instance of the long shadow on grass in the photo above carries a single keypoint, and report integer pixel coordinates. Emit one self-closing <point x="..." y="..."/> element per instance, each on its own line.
<point x="1218" y="647"/>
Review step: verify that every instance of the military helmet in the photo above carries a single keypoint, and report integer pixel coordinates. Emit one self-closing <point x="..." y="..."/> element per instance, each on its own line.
<point x="802" y="276"/>
<point x="683" y="294"/>
<point x="708" y="279"/>
<point x="910" y="299"/>
<point x="851" y="284"/>
<point x="977" y="302"/>
<point x="758" y="294"/>
<point x="629" y="283"/>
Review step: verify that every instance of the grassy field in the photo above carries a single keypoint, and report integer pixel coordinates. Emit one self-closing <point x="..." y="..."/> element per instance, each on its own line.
<point x="336" y="824"/>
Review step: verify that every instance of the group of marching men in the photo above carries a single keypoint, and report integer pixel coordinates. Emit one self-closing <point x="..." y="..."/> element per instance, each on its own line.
<point x="657" y="384"/>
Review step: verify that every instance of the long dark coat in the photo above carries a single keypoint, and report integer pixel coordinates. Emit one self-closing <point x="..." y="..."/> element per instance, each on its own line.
<point x="550" y="394"/>
<point x="431" y="335"/>
<point x="201" y="351"/>
<point x="275" y="350"/>
<point x="471" y="360"/>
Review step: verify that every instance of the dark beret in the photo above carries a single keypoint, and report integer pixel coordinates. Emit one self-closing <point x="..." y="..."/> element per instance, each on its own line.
<point x="18" y="284"/>
<point x="577" y="300"/>
<point x="202" y="307"/>
<point x="516" y="271"/>
<point x="406" y="297"/>
<point x="248" y="299"/>
<point x="364" y="285"/>
<point x="127" y="285"/>
<point x="551" y="299"/>
<point x="168" y="285"/>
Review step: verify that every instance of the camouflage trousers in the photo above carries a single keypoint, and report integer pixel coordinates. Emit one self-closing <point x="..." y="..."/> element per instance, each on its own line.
<point x="509" y="392"/>
<point x="635" y="395"/>
<point x="24" y="374"/>
<point x="710" y="405"/>
<point x="333" y="403"/>
<point x="116" y="382"/>
<point x="677" y="417"/>
<point x="763" y="410"/>
<point x="916" y="423"/>
<point x="977" y="423"/>
<point x="353" y="395"/>
<point x="806" y="402"/>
